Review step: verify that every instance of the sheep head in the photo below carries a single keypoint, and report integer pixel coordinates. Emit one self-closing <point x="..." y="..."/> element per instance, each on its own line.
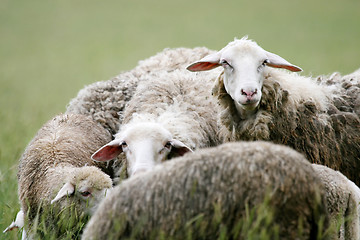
<point x="86" y="185"/>
<point x="144" y="144"/>
<point x="244" y="63"/>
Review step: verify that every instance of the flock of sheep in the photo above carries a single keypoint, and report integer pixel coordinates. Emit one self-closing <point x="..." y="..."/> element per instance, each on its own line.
<point x="242" y="134"/>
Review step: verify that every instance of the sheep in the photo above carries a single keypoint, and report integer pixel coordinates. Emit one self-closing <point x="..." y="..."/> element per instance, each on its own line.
<point x="105" y="101"/>
<point x="170" y="114"/>
<point x="259" y="102"/>
<point x="56" y="175"/>
<point x="343" y="202"/>
<point x="218" y="186"/>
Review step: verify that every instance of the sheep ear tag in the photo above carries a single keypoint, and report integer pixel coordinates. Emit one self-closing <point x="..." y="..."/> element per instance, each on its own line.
<point x="207" y="63"/>
<point x="66" y="190"/>
<point x="108" y="152"/>
<point x="276" y="61"/>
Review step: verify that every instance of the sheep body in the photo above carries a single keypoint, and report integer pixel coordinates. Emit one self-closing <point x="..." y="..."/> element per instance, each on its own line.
<point x="228" y="178"/>
<point x="292" y="110"/>
<point x="57" y="158"/>
<point x="105" y="101"/>
<point x="343" y="202"/>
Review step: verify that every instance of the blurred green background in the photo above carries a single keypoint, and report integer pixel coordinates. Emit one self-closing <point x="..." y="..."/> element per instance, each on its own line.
<point x="49" y="50"/>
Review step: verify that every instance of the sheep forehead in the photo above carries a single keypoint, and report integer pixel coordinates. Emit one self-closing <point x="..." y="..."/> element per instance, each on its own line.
<point x="146" y="131"/>
<point x="241" y="51"/>
<point x="91" y="177"/>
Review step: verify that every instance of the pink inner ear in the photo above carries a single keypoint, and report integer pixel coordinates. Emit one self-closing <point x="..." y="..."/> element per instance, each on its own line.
<point x="292" y="68"/>
<point x="107" y="153"/>
<point x="181" y="151"/>
<point x="202" y="66"/>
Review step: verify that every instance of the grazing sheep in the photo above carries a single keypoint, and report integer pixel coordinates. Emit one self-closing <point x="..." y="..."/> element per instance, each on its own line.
<point x="170" y="113"/>
<point x="216" y="186"/>
<point x="56" y="169"/>
<point x="343" y="202"/>
<point x="105" y="101"/>
<point x="259" y="102"/>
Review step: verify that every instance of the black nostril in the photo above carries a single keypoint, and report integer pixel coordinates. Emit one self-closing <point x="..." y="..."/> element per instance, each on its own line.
<point x="253" y="93"/>
<point x="243" y="92"/>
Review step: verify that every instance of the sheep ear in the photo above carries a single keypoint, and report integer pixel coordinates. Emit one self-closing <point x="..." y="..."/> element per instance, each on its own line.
<point x="66" y="190"/>
<point x="207" y="63"/>
<point x="108" y="152"/>
<point x="276" y="61"/>
<point x="17" y="223"/>
<point x="178" y="149"/>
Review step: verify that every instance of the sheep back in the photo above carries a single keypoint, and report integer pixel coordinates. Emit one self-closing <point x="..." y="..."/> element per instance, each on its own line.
<point x="105" y="101"/>
<point x="182" y="102"/>
<point x="215" y="185"/>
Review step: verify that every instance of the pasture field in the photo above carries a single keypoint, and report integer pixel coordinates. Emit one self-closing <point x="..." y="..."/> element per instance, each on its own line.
<point x="49" y="50"/>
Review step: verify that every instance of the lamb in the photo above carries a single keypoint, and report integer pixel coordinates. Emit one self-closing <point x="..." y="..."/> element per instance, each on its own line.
<point x="209" y="192"/>
<point x="105" y="101"/>
<point x="170" y="114"/>
<point x="57" y="176"/>
<point x="343" y="202"/>
<point x="259" y="102"/>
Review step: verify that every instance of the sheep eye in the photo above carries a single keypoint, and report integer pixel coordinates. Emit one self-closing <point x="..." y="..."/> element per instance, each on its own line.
<point x="168" y="145"/>
<point x="86" y="194"/>
<point x="225" y="63"/>
<point x="263" y="64"/>
<point x="124" y="144"/>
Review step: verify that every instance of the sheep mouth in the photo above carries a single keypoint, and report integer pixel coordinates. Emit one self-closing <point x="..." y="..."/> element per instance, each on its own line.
<point x="249" y="103"/>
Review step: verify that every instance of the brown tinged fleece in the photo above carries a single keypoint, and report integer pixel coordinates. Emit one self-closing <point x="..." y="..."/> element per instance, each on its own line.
<point x="211" y="190"/>
<point x="330" y="137"/>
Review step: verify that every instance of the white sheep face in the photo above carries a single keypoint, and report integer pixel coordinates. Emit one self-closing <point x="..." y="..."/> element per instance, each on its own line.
<point x="243" y="68"/>
<point x="144" y="144"/>
<point x="244" y="63"/>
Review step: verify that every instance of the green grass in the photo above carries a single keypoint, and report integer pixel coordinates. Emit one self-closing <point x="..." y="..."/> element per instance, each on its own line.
<point x="51" y="49"/>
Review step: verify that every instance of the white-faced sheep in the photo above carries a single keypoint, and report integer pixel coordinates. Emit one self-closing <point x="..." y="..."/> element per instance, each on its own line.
<point x="211" y="192"/>
<point x="170" y="113"/>
<point x="105" y="101"/>
<point x="343" y="202"/>
<point x="259" y="102"/>
<point x="57" y="176"/>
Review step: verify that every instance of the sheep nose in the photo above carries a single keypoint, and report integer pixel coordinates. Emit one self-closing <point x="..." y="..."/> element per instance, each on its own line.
<point x="249" y="93"/>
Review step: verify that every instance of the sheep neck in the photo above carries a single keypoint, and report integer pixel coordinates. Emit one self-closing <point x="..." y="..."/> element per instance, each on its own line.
<point x="245" y="113"/>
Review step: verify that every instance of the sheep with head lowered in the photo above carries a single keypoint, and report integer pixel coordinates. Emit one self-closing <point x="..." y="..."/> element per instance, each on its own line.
<point x="260" y="102"/>
<point x="211" y="192"/>
<point x="170" y="113"/>
<point x="57" y="178"/>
